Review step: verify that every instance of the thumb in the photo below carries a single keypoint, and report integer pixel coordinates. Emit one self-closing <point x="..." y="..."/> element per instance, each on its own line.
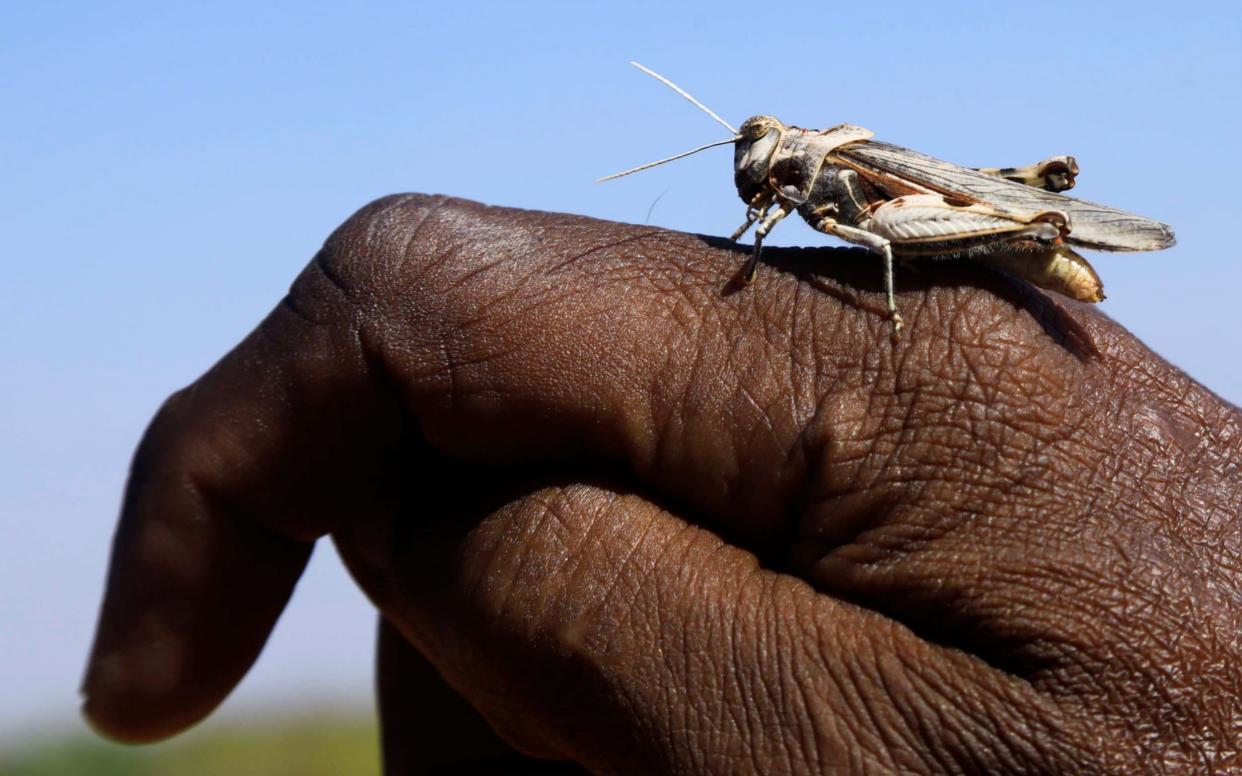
<point x="590" y="624"/>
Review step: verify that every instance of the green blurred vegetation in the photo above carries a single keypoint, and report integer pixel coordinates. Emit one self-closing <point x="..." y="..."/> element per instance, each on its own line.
<point x="305" y="746"/>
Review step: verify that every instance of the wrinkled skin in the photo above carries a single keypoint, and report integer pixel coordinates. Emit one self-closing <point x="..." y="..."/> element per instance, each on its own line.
<point x="649" y="524"/>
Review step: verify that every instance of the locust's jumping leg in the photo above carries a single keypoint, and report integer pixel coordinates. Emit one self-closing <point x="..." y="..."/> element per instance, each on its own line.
<point x="765" y="226"/>
<point x="934" y="225"/>
<point x="1056" y="173"/>
<point x="930" y="224"/>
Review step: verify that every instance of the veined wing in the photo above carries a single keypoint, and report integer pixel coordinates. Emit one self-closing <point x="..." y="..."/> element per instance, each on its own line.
<point x="1091" y="225"/>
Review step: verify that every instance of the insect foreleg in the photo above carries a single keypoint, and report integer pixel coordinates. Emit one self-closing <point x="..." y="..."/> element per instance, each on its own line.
<point x="876" y="243"/>
<point x="765" y="226"/>
<point x="752" y="215"/>
<point x="1056" y="173"/>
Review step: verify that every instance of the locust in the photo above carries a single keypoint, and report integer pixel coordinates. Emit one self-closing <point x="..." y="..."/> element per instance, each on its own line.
<point x="902" y="204"/>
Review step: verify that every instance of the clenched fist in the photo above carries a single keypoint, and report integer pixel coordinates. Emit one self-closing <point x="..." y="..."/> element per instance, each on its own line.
<point x="646" y="522"/>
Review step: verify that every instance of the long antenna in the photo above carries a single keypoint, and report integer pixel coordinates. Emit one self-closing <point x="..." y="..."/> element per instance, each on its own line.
<point x="685" y="94"/>
<point x="649" y="165"/>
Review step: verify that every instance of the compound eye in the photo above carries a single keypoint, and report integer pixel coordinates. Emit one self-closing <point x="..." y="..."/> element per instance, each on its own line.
<point x="752" y="129"/>
<point x="758" y="127"/>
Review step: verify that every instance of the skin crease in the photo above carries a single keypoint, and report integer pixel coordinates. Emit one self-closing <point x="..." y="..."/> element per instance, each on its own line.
<point x="645" y="521"/>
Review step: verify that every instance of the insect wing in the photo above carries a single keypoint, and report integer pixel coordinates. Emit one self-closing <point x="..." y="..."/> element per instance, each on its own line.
<point x="1091" y="225"/>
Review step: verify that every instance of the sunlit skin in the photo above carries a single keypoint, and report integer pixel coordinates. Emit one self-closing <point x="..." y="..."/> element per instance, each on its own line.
<point x="644" y="522"/>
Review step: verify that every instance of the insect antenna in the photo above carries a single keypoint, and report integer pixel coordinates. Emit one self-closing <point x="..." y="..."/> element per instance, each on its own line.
<point x="685" y="94"/>
<point x="665" y="160"/>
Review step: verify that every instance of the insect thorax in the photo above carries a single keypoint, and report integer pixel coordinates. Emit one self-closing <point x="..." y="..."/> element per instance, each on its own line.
<point x="841" y="194"/>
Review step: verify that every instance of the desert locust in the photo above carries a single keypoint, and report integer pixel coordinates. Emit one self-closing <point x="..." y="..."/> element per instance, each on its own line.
<point x="901" y="203"/>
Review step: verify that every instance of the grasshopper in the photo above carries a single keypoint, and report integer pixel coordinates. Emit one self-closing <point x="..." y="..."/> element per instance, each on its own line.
<point x="901" y="203"/>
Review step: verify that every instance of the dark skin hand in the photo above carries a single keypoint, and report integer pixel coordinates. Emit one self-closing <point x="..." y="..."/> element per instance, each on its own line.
<point x="647" y="523"/>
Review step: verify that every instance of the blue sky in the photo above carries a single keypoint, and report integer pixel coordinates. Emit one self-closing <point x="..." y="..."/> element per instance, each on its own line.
<point x="167" y="168"/>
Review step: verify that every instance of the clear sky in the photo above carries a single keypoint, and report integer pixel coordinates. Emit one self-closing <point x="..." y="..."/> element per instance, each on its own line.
<point x="167" y="168"/>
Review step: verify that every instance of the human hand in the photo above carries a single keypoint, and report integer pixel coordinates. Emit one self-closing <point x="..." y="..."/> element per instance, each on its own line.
<point x="1007" y="542"/>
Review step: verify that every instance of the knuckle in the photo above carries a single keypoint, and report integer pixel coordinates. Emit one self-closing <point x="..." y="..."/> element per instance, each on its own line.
<point x="976" y="415"/>
<point x="360" y="256"/>
<point x="356" y="266"/>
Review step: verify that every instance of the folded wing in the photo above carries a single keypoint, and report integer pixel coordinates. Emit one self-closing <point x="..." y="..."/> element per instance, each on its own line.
<point x="1091" y="225"/>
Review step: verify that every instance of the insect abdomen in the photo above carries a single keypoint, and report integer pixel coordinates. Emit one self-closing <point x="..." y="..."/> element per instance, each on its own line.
<point x="1056" y="269"/>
